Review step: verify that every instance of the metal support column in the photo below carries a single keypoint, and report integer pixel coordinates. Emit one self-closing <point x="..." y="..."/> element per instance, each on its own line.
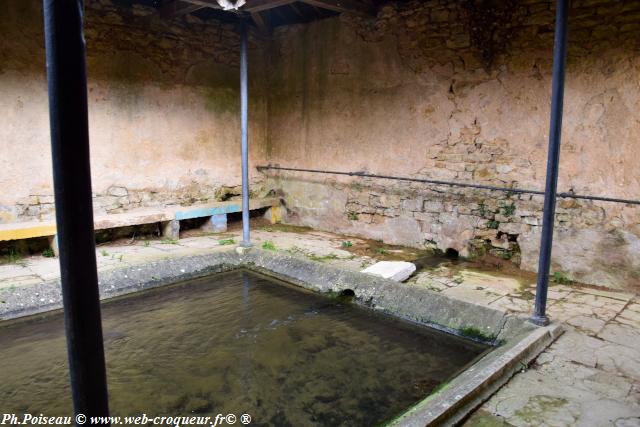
<point x="244" y="122"/>
<point x="66" y="70"/>
<point x="555" y="132"/>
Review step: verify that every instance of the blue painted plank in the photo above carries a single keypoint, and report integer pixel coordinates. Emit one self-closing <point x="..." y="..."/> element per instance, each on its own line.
<point x="204" y="212"/>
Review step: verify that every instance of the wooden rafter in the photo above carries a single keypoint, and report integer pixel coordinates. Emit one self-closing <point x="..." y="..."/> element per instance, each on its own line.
<point x="213" y="4"/>
<point x="280" y="14"/>
<point x="171" y="8"/>
<point x="352" y="6"/>
<point x="177" y="8"/>
<point x="253" y="7"/>
<point x="261" y="22"/>
<point x="297" y="10"/>
<point x="260" y="5"/>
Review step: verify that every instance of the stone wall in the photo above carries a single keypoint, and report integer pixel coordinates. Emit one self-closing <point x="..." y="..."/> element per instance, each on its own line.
<point x="454" y="90"/>
<point x="459" y="90"/>
<point x="163" y="109"/>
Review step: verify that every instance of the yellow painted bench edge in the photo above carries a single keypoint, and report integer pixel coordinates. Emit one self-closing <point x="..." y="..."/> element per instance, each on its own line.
<point x="44" y="230"/>
<point x="40" y="230"/>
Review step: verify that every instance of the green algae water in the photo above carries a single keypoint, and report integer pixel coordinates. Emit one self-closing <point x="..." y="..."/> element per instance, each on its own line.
<point x="238" y="343"/>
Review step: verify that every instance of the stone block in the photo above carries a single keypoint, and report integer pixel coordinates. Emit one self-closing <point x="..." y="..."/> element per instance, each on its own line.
<point x="503" y="218"/>
<point x="361" y="199"/>
<point x="422" y="216"/>
<point x="45" y="199"/>
<point x="433" y="206"/>
<point x="412" y="205"/>
<point x="400" y="230"/>
<point x="108" y="202"/>
<point x="514" y="228"/>
<point x="171" y="229"/>
<point x="394" y="270"/>
<point x="33" y="210"/>
<point x="274" y="214"/>
<point x="53" y="244"/>
<point x="502" y="242"/>
<point x="117" y="191"/>
<point x="504" y="168"/>
<point x="215" y="224"/>
<point x="389" y="200"/>
<point x="487" y="233"/>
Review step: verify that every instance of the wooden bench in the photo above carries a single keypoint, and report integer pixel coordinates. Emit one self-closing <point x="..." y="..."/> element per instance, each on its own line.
<point x="169" y="217"/>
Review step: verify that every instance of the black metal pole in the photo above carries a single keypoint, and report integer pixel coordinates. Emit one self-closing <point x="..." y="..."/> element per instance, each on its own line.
<point x="510" y="190"/>
<point x="555" y="132"/>
<point x="244" y="132"/>
<point x="66" y="69"/>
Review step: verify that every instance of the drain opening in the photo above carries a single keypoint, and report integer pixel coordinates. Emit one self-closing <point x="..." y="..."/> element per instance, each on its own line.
<point x="451" y="253"/>
<point x="348" y="293"/>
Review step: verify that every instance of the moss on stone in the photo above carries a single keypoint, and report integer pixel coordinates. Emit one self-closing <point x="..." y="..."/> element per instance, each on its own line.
<point x="539" y="407"/>
<point x="322" y="258"/>
<point x="286" y="228"/>
<point x="476" y="334"/>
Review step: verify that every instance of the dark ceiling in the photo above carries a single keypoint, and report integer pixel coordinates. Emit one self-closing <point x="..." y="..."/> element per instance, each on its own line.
<point x="264" y="15"/>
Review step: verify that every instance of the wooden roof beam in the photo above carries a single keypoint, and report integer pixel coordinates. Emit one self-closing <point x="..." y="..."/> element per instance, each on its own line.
<point x="297" y="10"/>
<point x="213" y="4"/>
<point x="171" y="8"/>
<point x="260" y="5"/>
<point x="177" y="8"/>
<point x="180" y="7"/>
<point x="261" y="22"/>
<point x="353" y="6"/>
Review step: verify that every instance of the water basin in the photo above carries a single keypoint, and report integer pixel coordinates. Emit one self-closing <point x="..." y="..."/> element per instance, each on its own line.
<point x="239" y="342"/>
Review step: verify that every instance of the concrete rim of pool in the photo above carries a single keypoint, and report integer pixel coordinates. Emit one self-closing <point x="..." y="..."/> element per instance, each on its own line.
<point x="516" y="341"/>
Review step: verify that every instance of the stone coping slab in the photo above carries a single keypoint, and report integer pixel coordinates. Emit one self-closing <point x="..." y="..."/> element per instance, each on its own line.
<point x="516" y="341"/>
<point x="458" y="398"/>
<point x="148" y="215"/>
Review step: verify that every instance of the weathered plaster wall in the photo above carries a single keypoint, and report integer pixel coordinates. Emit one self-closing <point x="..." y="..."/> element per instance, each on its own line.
<point x="453" y="91"/>
<point x="436" y="89"/>
<point x="163" y="109"/>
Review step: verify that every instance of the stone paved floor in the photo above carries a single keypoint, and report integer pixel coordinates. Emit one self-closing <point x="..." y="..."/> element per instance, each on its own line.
<point x="589" y="377"/>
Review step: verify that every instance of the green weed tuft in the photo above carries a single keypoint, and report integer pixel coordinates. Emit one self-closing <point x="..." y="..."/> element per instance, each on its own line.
<point x="561" y="278"/>
<point x="509" y="210"/>
<point x="48" y="253"/>
<point x="12" y="257"/>
<point x="475" y="333"/>
<point x="268" y="245"/>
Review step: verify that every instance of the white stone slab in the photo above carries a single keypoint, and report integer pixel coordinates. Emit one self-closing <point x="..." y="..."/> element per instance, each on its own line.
<point x="394" y="270"/>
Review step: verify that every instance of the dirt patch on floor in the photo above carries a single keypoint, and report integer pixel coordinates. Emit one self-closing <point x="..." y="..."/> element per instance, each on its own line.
<point x="382" y="252"/>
